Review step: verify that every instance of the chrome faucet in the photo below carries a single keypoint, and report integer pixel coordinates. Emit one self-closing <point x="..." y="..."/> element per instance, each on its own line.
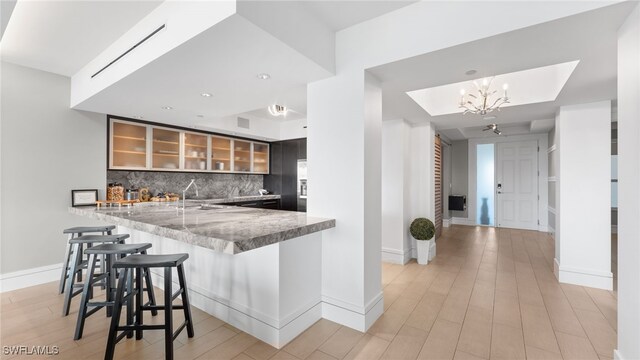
<point x="184" y="192"/>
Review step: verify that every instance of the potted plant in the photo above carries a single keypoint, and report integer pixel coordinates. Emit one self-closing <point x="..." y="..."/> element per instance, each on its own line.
<point x="423" y="230"/>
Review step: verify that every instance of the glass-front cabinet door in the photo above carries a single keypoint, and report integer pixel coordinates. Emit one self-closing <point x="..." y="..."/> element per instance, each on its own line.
<point x="241" y="156"/>
<point x="138" y="146"/>
<point x="220" y="153"/>
<point x="195" y="151"/>
<point x="260" y="158"/>
<point x="165" y="149"/>
<point x="128" y="145"/>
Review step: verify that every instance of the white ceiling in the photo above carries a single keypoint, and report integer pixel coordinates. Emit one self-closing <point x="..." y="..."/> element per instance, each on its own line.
<point x="263" y="113"/>
<point x="62" y="36"/>
<point x="338" y="15"/>
<point x="224" y="60"/>
<point x="590" y="37"/>
<point x="543" y="84"/>
<point x="6" y="9"/>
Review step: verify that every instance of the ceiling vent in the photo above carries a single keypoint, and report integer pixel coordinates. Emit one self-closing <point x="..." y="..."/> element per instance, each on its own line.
<point x="244" y="123"/>
<point x="130" y="49"/>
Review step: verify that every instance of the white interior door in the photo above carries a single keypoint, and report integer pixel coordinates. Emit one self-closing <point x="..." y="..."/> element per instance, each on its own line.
<point x="517" y="185"/>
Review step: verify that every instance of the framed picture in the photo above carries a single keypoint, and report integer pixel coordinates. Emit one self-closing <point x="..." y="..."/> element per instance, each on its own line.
<point x="84" y="197"/>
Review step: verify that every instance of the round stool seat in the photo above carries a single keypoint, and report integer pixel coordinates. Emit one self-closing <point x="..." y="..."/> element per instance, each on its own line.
<point x="88" y="229"/>
<point x="151" y="261"/>
<point x="84" y="239"/>
<point x="118" y="248"/>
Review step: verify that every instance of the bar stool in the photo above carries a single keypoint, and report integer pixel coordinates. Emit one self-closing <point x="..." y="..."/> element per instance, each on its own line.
<point x="110" y="252"/>
<point x="139" y="262"/>
<point x="75" y="232"/>
<point x="76" y="265"/>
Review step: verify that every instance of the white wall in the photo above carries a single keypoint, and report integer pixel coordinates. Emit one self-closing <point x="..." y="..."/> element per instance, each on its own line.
<point x="583" y="195"/>
<point x="422" y="174"/>
<point x="396" y="191"/>
<point x="293" y="129"/>
<point x="47" y="150"/>
<point x="446" y="179"/>
<point x="629" y="188"/>
<point x="259" y="128"/>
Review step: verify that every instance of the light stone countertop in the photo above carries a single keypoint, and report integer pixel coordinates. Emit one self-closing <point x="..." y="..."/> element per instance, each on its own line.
<point x="229" y="229"/>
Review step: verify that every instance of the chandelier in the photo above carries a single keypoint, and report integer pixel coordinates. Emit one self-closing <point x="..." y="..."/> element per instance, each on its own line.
<point x="277" y="110"/>
<point x="481" y="104"/>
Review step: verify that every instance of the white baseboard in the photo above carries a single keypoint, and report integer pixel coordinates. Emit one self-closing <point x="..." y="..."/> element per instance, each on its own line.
<point x="29" y="277"/>
<point x="276" y="335"/>
<point x="395" y="256"/>
<point x="446" y="222"/>
<point x="617" y="355"/>
<point x="356" y="318"/>
<point x="583" y="277"/>
<point x="462" y="221"/>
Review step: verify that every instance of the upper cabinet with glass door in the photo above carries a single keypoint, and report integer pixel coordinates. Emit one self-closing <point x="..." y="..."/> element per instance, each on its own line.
<point x="221" y="154"/>
<point x="165" y="149"/>
<point x="136" y="146"/>
<point x="195" y="151"/>
<point x="241" y="156"/>
<point x="260" y="158"/>
<point x="128" y="146"/>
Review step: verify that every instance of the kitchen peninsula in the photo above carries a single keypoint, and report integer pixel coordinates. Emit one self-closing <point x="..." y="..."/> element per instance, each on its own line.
<point x="256" y="269"/>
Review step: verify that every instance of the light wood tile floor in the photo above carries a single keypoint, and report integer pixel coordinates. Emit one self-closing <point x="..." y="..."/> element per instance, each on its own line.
<point x="489" y="294"/>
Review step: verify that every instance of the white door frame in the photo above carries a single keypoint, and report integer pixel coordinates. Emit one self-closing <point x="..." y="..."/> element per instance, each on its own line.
<point x="542" y="180"/>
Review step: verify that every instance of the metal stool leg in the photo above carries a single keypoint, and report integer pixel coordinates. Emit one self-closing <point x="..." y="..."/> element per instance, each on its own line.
<point x="168" y="318"/>
<point x="149" y="284"/>
<point x="88" y="285"/>
<point x="150" y="291"/>
<point x="65" y="268"/>
<point x="115" y="318"/>
<point x="79" y="262"/>
<point x="130" y="302"/>
<point x="185" y="301"/>
<point x="70" y="279"/>
<point x="111" y="282"/>
<point x="139" y="303"/>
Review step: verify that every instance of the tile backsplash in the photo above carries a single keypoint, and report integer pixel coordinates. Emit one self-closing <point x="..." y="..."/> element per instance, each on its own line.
<point x="209" y="185"/>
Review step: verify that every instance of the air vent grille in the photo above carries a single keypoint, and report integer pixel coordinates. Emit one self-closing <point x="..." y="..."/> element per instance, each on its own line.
<point x="130" y="49"/>
<point x="244" y="123"/>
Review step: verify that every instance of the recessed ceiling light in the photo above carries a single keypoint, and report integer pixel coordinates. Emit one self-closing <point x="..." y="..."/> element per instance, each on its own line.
<point x="206" y="95"/>
<point x="200" y="115"/>
<point x="264" y="76"/>
<point x="471" y="72"/>
<point x="167" y="107"/>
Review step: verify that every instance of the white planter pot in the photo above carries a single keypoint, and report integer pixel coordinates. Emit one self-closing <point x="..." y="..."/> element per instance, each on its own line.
<point x="423" y="251"/>
<point x="432" y="249"/>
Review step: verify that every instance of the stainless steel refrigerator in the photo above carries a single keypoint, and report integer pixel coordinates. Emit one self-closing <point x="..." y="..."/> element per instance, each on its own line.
<point x="302" y="185"/>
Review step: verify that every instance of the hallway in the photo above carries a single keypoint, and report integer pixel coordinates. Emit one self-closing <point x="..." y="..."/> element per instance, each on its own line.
<point x="489" y="294"/>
